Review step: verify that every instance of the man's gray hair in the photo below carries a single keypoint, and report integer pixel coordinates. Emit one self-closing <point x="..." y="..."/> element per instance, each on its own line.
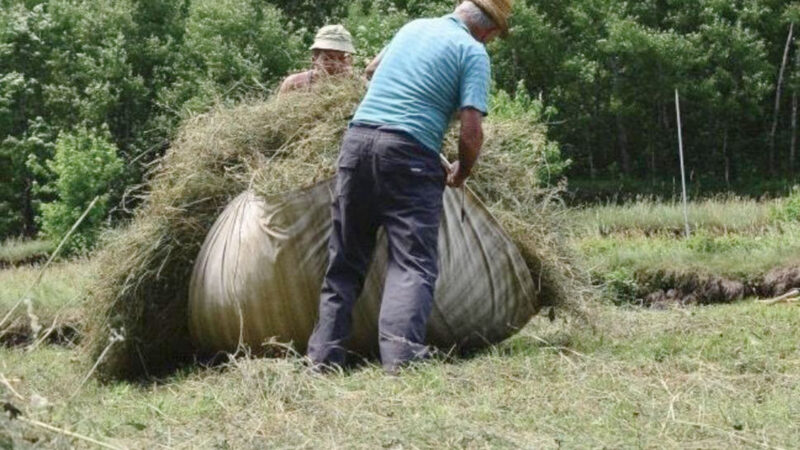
<point x="475" y="16"/>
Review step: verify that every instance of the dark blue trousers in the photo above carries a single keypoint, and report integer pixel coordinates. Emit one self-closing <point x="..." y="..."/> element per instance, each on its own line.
<point x="384" y="178"/>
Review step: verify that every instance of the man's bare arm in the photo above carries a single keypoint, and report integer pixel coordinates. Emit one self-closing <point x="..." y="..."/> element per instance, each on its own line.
<point x="469" y="146"/>
<point x="373" y="66"/>
<point x="295" y="82"/>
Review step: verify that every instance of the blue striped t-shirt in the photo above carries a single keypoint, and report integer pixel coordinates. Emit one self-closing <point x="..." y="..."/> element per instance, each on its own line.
<point x="430" y="69"/>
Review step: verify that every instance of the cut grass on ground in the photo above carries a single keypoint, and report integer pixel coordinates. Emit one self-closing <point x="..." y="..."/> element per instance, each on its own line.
<point x="735" y="256"/>
<point x="15" y="252"/>
<point x="55" y="301"/>
<point x="639" y="249"/>
<point x="721" y="215"/>
<point x="705" y="377"/>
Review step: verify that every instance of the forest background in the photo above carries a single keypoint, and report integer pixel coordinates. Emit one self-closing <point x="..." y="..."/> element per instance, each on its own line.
<point x="92" y="91"/>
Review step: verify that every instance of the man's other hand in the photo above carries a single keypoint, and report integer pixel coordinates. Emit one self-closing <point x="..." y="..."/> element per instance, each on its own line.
<point x="455" y="176"/>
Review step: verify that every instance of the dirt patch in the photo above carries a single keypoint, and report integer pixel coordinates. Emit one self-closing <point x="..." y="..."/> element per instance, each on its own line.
<point x="691" y="289"/>
<point x="29" y="261"/>
<point x="779" y="282"/>
<point x="668" y="288"/>
<point x="66" y="335"/>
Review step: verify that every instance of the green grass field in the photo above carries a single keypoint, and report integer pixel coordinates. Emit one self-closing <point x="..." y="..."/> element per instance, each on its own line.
<point x="721" y="215"/>
<point x="640" y="247"/>
<point x="15" y="252"/>
<point x="48" y="300"/>
<point x="712" y="377"/>
<point x="724" y="376"/>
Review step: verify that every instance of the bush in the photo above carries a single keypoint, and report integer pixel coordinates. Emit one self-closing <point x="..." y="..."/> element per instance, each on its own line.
<point x="372" y="28"/>
<point x="230" y="49"/>
<point x="621" y="285"/>
<point x="789" y="209"/>
<point x="522" y="109"/>
<point x="85" y="165"/>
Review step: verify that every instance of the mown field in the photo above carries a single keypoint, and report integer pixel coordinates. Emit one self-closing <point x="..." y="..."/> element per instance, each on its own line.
<point x="677" y="374"/>
<point x="737" y="248"/>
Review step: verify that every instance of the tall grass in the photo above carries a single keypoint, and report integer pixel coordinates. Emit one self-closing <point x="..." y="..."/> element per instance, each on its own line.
<point x="640" y="248"/>
<point x="54" y="300"/>
<point x="739" y="256"/>
<point x="15" y="251"/>
<point x="648" y="216"/>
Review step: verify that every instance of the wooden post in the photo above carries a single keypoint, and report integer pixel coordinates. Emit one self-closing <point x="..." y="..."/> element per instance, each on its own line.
<point x="776" y="111"/>
<point x="683" y="170"/>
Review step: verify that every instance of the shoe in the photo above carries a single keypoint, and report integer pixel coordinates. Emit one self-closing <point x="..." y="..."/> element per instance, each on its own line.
<point x="315" y="368"/>
<point x="392" y="371"/>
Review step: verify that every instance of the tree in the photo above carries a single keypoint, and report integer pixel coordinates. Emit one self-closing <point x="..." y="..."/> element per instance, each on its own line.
<point x="85" y="165"/>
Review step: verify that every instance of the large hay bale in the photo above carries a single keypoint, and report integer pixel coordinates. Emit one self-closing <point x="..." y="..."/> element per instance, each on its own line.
<point x="259" y="273"/>
<point x="272" y="147"/>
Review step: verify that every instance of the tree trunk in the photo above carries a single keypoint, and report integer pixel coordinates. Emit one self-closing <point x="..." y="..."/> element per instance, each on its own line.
<point x="596" y="113"/>
<point x="622" y="141"/>
<point x="793" y="145"/>
<point x="653" y="164"/>
<point x="590" y="153"/>
<point x="776" y="111"/>
<point x="622" y="132"/>
<point x="726" y="158"/>
<point x="28" y="214"/>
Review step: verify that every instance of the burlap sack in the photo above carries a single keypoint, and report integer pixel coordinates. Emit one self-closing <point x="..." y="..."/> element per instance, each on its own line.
<point x="259" y="273"/>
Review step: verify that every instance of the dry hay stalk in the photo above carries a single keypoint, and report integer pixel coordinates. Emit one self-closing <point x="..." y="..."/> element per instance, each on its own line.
<point x="274" y="146"/>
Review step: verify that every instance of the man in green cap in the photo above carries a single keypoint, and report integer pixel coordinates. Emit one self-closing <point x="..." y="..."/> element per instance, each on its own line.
<point x="332" y="54"/>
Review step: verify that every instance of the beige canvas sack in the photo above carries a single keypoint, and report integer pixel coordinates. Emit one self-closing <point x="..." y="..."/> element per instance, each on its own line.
<point x="260" y="270"/>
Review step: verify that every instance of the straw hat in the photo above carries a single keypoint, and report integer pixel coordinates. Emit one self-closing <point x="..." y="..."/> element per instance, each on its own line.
<point x="334" y="37"/>
<point x="498" y="10"/>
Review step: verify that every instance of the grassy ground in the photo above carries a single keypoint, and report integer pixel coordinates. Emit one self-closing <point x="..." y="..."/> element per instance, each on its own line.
<point x="729" y="255"/>
<point x="54" y="300"/>
<point x="710" y="377"/>
<point x="725" y="376"/>
<point x="720" y="215"/>
<point x="15" y="252"/>
<point x="635" y="247"/>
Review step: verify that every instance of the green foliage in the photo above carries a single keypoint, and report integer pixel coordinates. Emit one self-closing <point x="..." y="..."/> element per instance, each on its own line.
<point x="138" y="66"/>
<point x="311" y="14"/>
<point x="789" y="209"/>
<point x="704" y="242"/>
<point x="602" y="73"/>
<point x="532" y="114"/>
<point x="229" y="48"/>
<point x="19" y="155"/>
<point x="372" y="27"/>
<point x="611" y="68"/>
<point x="85" y="165"/>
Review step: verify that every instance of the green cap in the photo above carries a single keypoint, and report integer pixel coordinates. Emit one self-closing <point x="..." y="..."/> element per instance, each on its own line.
<point x="334" y="37"/>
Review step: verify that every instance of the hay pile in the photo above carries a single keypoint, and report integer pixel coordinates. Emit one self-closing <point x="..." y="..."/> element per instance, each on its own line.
<point x="274" y="146"/>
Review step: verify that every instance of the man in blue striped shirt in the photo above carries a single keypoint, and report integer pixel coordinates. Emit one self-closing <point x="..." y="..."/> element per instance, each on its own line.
<point x="389" y="175"/>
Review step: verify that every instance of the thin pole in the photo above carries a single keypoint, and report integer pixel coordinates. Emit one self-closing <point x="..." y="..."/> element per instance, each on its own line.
<point x="683" y="170"/>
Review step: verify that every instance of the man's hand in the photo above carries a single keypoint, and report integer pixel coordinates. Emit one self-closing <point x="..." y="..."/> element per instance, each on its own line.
<point x="455" y="176"/>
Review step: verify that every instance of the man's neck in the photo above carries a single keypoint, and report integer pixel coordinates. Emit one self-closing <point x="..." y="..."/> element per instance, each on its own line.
<point x="476" y="32"/>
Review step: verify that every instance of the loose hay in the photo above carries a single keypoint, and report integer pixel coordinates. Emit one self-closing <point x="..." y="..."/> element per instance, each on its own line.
<point x="275" y="146"/>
